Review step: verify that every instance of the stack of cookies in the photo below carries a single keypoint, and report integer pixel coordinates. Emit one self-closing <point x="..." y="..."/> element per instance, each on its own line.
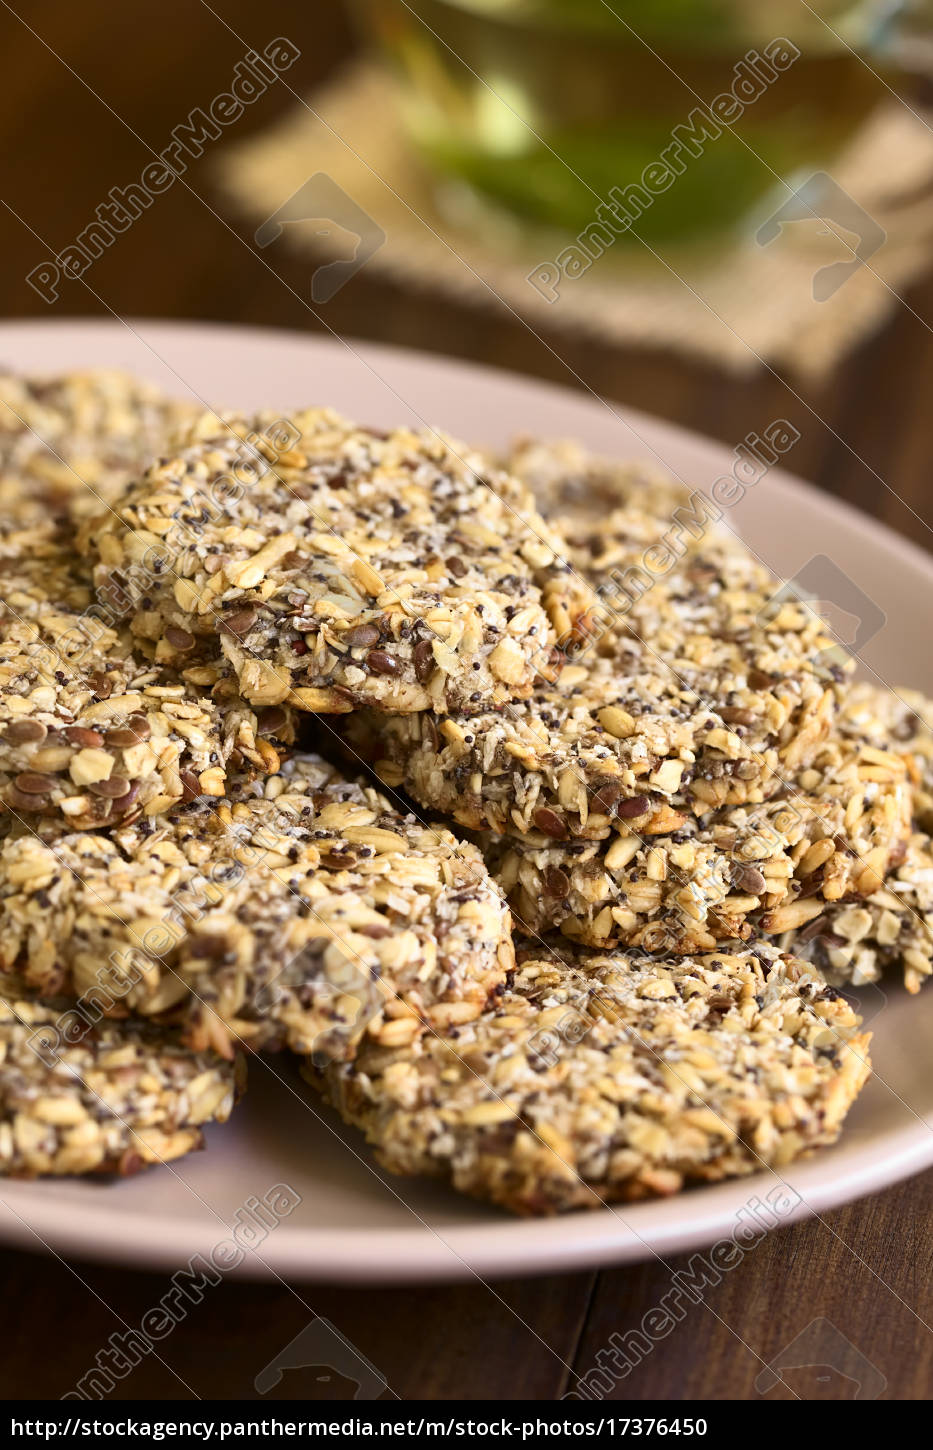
<point x="636" y="825"/>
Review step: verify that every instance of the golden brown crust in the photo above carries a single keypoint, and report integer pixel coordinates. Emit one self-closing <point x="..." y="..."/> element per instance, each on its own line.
<point x="600" y="1078"/>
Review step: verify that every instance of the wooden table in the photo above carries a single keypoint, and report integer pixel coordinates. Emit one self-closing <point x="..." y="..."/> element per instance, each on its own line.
<point x="867" y="1268"/>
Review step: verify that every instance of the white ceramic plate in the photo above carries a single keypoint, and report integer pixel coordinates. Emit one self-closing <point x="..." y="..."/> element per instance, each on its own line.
<point x="354" y="1223"/>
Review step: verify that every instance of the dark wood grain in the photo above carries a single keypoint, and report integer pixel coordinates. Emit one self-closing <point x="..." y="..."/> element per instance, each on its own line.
<point x="67" y="136"/>
<point x="864" y="1270"/>
<point x="515" y="1340"/>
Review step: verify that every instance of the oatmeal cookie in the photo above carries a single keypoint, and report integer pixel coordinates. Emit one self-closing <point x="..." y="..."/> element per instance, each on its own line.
<point x="304" y="910"/>
<point x="702" y="880"/>
<point x="101" y="1097"/>
<point x="587" y="755"/>
<point x="336" y="566"/>
<point x="69" y="445"/>
<point x="108" y="739"/>
<point x="619" y="1077"/>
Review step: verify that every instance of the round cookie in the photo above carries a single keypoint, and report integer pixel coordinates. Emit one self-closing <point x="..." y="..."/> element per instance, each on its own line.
<point x="588" y="755"/>
<point x="600" y="1078"/>
<point x="303" y="910"/>
<point x="337" y="566"/>
<point x="104" y="1097"/>
<point x="857" y="941"/>
<point x="772" y="866"/>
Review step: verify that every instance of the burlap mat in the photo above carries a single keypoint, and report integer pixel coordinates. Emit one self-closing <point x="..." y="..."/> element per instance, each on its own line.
<point x="737" y="303"/>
